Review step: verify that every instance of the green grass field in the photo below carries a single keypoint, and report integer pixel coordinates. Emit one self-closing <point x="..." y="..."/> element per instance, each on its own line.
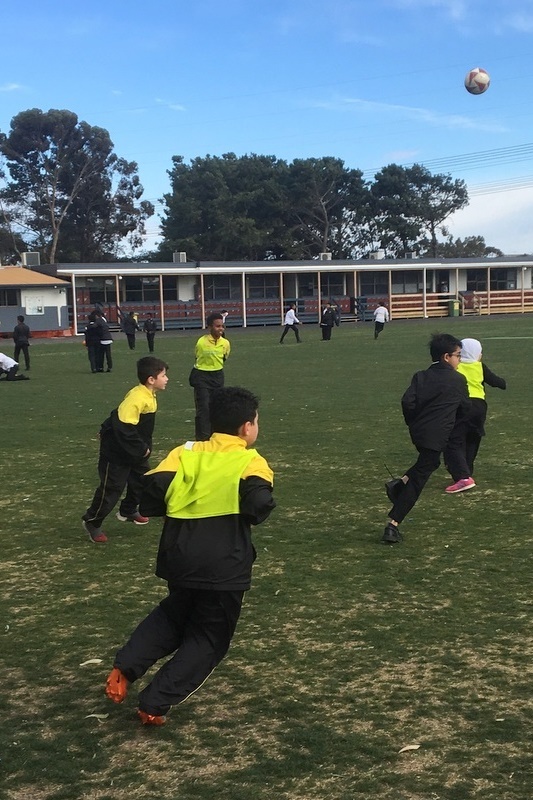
<point x="347" y="651"/>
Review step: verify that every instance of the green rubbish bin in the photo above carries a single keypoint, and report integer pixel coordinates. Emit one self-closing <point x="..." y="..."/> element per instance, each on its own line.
<point x="453" y="308"/>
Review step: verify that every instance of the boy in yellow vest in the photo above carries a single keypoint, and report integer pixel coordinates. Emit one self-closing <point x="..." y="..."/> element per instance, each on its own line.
<point x="210" y="493"/>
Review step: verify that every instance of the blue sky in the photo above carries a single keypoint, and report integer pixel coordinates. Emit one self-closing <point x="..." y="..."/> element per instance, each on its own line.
<point x="369" y="81"/>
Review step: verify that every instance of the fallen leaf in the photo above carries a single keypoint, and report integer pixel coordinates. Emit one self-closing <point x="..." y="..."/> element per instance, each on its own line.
<point x="99" y="717"/>
<point x="91" y="661"/>
<point x="409" y="747"/>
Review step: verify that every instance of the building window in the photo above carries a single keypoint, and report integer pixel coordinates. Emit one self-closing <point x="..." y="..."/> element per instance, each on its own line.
<point x="101" y="290"/>
<point x="476" y="280"/>
<point x="8" y="297"/>
<point x="170" y="287"/>
<point x="262" y="287"/>
<point x="372" y="283"/>
<point x="308" y="284"/>
<point x="503" y="279"/>
<point x="410" y="282"/>
<point x="332" y="284"/>
<point x="141" y="290"/>
<point x="222" y="287"/>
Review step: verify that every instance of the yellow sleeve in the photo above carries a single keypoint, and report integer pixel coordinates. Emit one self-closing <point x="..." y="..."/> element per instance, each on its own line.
<point x="258" y="466"/>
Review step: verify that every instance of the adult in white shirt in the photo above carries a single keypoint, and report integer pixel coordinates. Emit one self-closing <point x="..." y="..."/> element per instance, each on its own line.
<point x="381" y="316"/>
<point x="291" y="323"/>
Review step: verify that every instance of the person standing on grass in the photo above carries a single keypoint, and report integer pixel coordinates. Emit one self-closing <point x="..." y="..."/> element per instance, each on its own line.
<point x="465" y="439"/>
<point x="381" y="316"/>
<point x="125" y="445"/>
<point x="106" y="340"/>
<point x="210" y="494"/>
<point x="435" y="400"/>
<point x="92" y="341"/>
<point x="150" y="327"/>
<point x="291" y="323"/>
<point x="21" y="338"/>
<point x="327" y="321"/>
<point x="129" y="326"/>
<point x="211" y="352"/>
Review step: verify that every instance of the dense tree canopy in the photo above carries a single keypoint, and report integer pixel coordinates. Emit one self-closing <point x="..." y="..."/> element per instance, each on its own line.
<point x="69" y="194"/>
<point x="260" y="207"/>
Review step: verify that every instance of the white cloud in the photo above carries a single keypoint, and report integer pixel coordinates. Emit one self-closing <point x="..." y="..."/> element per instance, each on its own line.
<point x="503" y="219"/>
<point x="435" y="118"/>
<point x="172" y="106"/>
<point x="455" y="9"/>
<point x="11" y="87"/>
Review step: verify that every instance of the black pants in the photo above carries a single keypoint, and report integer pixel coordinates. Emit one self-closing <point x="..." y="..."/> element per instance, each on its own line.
<point x="113" y="479"/>
<point x="197" y="627"/>
<point x="465" y="440"/>
<point x="92" y="355"/>
<point x="131" y="340"/>
<point x="150" y="336"/>
<point x="103" y="352"/>
<point x="26" y="352"/>
<point x="427" y="462"/>
<point x="287" y="329"/>
<point x="378" y="327"/>
<point x="326" y="332"/>
<point x="204" y="384"/>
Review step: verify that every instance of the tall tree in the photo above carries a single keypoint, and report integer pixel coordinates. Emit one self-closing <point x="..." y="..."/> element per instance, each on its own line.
<point x="328" y="203"/>
<point x="225" y="208"/>
<point x="469" y="247"/>
<point x="54" y="162"/>
<point x="410" y="205"/>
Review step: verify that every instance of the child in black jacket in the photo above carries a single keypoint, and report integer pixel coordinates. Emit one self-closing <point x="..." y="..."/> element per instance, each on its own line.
<point x="436" y="397"/>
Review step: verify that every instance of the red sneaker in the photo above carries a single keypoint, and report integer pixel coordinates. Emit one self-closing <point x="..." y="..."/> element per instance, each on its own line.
<point x="461" y="486"/>
<point x="116" y="686"/>
<point x="137" y="518"/>
<point x="150" y="719"/>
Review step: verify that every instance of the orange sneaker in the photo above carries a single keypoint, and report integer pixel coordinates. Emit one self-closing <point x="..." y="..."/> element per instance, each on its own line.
<point x="150" y="719"/>
<point x="116" y="686"/>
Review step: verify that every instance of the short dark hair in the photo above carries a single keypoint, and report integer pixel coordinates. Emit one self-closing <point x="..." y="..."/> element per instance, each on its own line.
<point x="230" y="407"/>
<point x="149" y="367"/>
<point x="442" y="343"/>
<point x="20" y="318"/>
<point x="212" y="317"/>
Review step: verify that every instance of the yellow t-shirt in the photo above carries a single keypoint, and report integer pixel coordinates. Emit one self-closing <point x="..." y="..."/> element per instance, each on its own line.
<point x="210" y="353"/>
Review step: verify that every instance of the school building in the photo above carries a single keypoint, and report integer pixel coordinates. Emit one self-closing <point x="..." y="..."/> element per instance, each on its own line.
<point x="181" y="294"/>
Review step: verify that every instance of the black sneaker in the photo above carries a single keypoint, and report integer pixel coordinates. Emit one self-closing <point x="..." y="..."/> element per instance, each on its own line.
<point x="392" y="534"/>
<point x="393" y="488"/>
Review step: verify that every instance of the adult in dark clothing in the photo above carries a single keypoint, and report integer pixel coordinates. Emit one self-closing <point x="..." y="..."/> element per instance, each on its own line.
<point x="129" y="326"/>
<point x="210" y="494"/>
<point x="150" y="327"/>
<point x="92" y="341"/>
<point x="436" y="398"/>
<point x="21" y="337"/>
<point x="106" y="340"/>
<point x="327" y="321"/>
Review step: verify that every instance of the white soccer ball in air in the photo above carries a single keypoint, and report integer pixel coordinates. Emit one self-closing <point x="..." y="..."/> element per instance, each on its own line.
<point x="477" y="81"/>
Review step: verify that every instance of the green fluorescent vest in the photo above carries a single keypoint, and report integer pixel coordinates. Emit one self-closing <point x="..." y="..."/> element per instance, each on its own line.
<point x="207" y="484"/>
<point x="474" y="377"/>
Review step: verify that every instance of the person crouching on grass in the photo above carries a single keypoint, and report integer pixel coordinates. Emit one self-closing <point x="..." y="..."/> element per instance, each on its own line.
<point x="210" y="493"/>
<point x="436" y="397"/>
<point x="125" y="445"/>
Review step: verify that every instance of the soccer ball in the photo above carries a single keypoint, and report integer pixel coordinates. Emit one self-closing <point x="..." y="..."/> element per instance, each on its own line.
<point x="477" y="81"/>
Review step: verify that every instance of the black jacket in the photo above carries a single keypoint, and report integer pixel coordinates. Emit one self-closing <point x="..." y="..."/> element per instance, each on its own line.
<point x="21" y="333"/>
<point x="436" y="397"/>
<point x="209" y="553"/>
